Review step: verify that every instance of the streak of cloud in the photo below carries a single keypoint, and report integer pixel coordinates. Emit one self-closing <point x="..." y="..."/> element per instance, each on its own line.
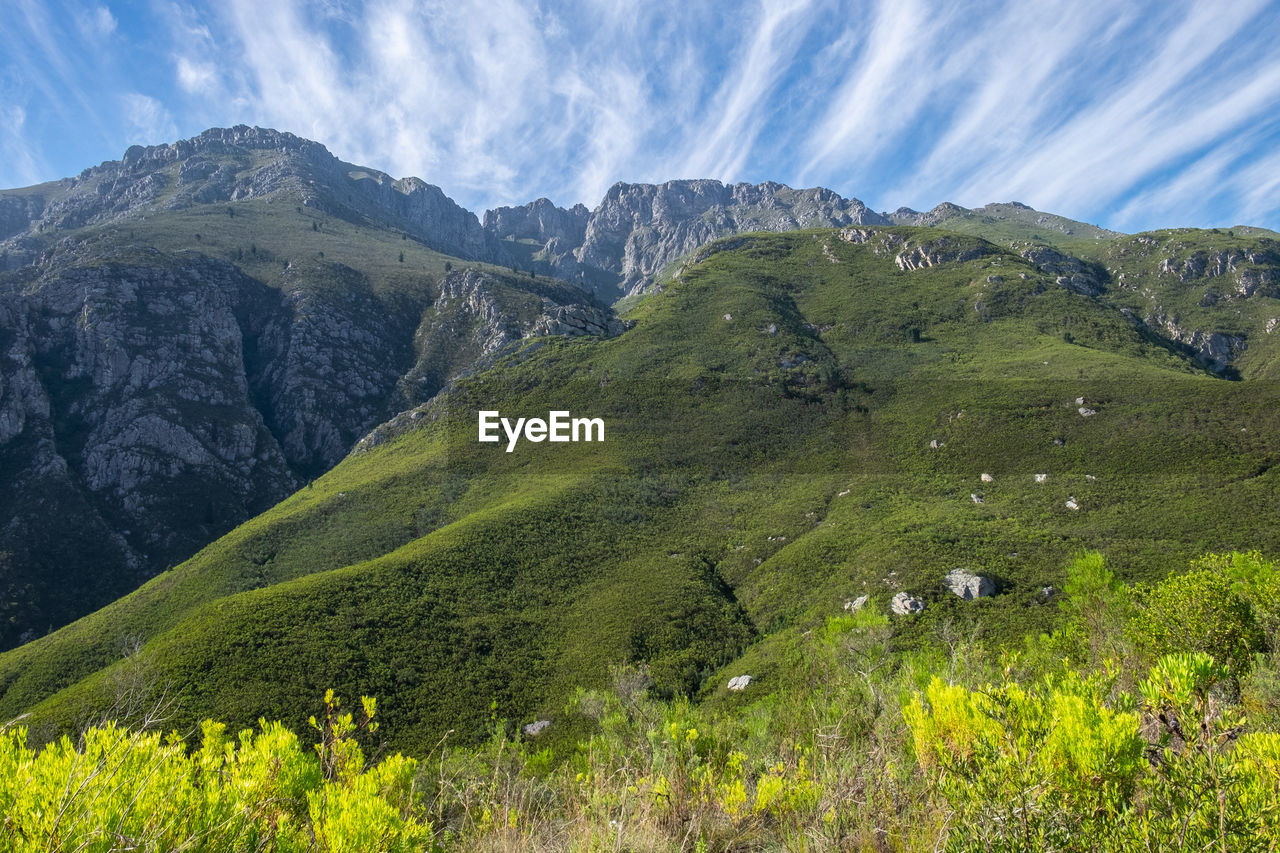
<point x="1133" y="115"/>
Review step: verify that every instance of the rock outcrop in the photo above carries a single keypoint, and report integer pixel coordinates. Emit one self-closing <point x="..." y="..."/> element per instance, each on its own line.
<point x="968" y="585"/>
<point x="639" y="229"/>
<point x="1072" y="273"/>
<point x="905" y="604"/>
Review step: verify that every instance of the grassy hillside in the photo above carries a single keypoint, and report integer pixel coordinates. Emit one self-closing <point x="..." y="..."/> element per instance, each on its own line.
<point x="771" y="422"/>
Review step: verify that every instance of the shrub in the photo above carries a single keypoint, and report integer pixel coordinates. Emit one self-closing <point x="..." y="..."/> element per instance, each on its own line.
<point x="1198" y="612"/>
<point x="121" y="789"/>
<point x="1043" y="768"/>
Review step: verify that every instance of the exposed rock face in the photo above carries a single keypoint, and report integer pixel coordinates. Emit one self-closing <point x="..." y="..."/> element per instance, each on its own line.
<point x="125" y="411"/>
<point x="556" y="230"/>
<point x="942" y="250"/>
<point x="1071" y="273"/>
<point x="230" y="164"/>
<point x="1215" y="350"/>
<point x="638" y="229"/>
<point x="969" y="586"/>
<point x="330" y="359"/>
<point x="739" y="683"/>
<point x="478" y="314"/>
<point x="904" y="604"/>
<point x="151" y="402"/>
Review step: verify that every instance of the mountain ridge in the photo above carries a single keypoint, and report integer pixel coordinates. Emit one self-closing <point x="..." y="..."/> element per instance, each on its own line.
<point x="194" y="331"/>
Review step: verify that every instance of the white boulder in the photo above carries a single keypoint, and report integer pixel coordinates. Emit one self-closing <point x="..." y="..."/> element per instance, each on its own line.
<point x="969" y="586"/>
<point x="904" y="604"/>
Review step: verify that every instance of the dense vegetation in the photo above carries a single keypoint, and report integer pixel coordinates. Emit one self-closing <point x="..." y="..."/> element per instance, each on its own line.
<point x="1117" y="731"/>
<point x="793" y="422"/>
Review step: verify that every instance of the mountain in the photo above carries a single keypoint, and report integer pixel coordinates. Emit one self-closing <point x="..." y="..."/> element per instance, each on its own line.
<point x="192" y="333"/>
<point x="639" y="230"/>
<point x="796" y="420"/>
<point x="1009" y="222"/>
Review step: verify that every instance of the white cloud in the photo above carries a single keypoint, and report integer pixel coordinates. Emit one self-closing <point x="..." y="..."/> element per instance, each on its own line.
<point x="196" y="77"/>
<point x="147" y="121"/>
<point x="99" y="22"/>
<point x="1085" y="107"/>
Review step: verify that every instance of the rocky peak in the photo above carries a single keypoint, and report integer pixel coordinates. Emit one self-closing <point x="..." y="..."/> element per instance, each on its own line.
<point x="220" y="141"/>
<point x="225" y="165"/>
<point x="540" y="221"/>
<point x="638" y="229"/>
<point x="940" y="213"/>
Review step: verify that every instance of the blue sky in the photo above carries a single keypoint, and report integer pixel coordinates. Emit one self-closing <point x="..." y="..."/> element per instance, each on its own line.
<point x="1132" y="115"/>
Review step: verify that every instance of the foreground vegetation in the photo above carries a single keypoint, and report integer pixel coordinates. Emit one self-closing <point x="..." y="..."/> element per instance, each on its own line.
<point x="1149" y="719"/>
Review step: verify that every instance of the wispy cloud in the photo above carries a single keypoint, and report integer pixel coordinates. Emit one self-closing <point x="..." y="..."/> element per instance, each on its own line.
<point x="148" y="120"/>
<point x="15" y="150"/>
<point x="737" y="105"/>
<point x="1124" y="114"/>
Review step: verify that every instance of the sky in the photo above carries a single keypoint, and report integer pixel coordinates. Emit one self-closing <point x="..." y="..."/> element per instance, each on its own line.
<point x="1124" y="113"/>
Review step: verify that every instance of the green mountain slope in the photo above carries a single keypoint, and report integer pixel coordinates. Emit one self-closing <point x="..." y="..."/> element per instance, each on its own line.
<point x="796" y="420"/>
<point x="1012" y="221"/>
<point x="189" y="334"/>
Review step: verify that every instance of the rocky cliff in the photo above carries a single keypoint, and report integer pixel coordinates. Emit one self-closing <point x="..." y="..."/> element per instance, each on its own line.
<point x="639" y="229"/>
<point x="190" y="333"/>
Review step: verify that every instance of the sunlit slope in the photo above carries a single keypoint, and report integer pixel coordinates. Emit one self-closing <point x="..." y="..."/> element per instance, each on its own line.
<point x="771" y="423"/>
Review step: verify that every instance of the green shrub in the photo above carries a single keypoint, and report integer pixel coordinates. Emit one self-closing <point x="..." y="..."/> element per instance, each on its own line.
<point x="1198" y="612"/>
<point x="120" y="789"/>
<point x="1043" y="768"/>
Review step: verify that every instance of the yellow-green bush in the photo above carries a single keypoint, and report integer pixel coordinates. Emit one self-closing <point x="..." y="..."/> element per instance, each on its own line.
<point x="119" y="789"/>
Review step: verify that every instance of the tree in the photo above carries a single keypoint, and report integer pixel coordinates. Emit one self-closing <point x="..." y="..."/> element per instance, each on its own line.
<point x="1098" y="607"/>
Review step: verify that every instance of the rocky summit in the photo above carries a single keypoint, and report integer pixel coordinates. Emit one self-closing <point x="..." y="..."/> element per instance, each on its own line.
<point x="638" y="230"/>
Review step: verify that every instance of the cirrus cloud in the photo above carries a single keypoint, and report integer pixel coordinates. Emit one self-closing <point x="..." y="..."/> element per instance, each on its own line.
<point x="1134" y="116"/>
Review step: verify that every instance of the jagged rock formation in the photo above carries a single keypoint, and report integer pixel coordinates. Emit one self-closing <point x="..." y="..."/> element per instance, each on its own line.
<point x="639" y="229"/>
